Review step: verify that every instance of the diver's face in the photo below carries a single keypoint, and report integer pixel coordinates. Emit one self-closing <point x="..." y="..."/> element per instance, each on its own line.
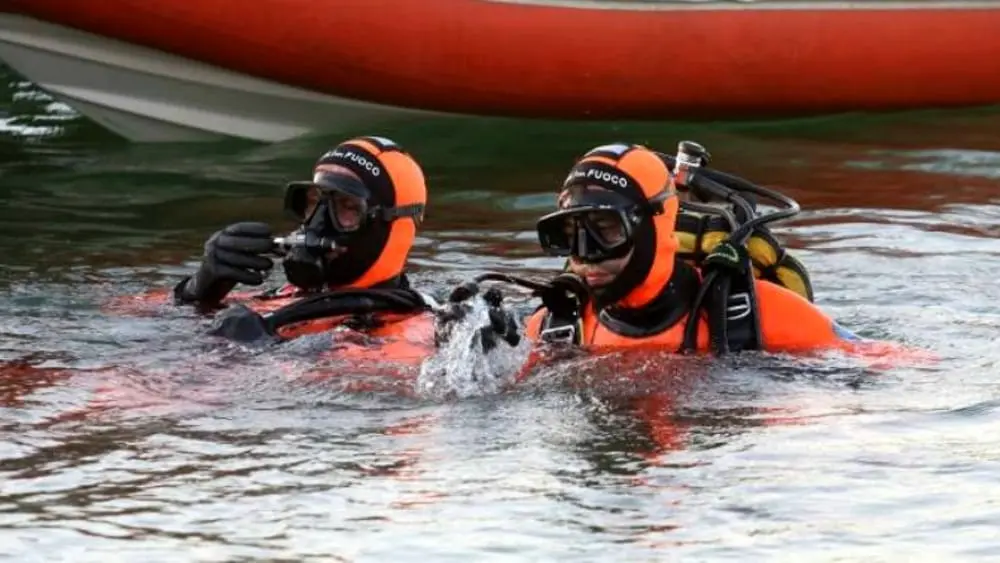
<point x="346" y="212"/>
<point x="599" y="274"/>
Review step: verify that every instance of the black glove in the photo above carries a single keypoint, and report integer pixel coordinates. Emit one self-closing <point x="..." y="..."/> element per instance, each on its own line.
<point x="239" y="323"/>
<point x="502" y="323"/>
<point x="453" y="311"/>
<point x="232" y="255"/>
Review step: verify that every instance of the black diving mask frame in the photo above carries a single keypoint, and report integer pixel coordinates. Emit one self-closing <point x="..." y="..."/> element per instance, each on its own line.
<point x="581" y="232"/>
<point x="334" y="187"/>
<point x="324" y="194"/>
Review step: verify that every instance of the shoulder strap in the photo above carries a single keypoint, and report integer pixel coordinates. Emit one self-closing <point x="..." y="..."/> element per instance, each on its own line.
<point x="729" y="299"/>
<point x="733" y="315"/>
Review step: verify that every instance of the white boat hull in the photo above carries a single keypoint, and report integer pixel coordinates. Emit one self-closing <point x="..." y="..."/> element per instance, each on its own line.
<point x="149" y="96"/>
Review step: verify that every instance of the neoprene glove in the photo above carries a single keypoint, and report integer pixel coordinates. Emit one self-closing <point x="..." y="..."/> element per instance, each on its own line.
<point x="502" y="324"/>
<point x="501" y="321"/>
<point x="232" y="255"/>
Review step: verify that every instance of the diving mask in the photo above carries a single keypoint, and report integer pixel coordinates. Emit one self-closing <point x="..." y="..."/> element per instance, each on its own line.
<point x="343" y="200"/>
<point x="596" y="226"/>
<point x="330" y="217"/>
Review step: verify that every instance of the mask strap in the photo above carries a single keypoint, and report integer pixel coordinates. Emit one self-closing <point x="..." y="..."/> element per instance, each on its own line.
<point x="388" y="214"/>
<point x="654" y="205"/>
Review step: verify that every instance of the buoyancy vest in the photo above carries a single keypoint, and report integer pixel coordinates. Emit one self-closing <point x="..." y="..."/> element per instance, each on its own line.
<point x="788" y="323"/>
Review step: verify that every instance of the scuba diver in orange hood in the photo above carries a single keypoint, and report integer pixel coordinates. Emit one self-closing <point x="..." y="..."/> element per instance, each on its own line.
<point x="626" y="285"/>
<point x="346" y="263"/>
<point x="619" y="208"/>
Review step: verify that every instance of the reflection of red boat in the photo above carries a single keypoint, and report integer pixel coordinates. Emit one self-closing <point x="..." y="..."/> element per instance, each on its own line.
<point x="276" y="69"/>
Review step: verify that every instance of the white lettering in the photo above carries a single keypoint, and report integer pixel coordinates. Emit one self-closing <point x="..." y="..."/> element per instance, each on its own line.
<point x="599" y="175"/>
<point x="359" y="159"/>
<point x="605" y="176"/>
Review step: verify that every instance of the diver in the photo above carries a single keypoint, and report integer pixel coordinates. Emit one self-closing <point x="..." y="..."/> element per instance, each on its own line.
<point x="701" y="224"/>
<point x="626" y="284"/>
<point x="344" y="265"/>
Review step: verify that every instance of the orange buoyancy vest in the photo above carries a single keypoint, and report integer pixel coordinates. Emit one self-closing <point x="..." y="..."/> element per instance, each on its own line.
<point x="788" y="323"/>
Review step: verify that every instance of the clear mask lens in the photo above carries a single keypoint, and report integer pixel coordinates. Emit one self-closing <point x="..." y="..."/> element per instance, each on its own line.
<point x="588" y="233"/>
<point x="347" y="213"/>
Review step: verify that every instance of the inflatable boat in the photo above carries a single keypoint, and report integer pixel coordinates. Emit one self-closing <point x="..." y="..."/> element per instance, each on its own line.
<point x="271" y="70"/>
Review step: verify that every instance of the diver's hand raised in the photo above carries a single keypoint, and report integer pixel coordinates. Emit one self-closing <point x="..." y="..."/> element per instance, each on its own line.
<point x="502" y="323"/>
<point x="232" y="255"/>
<point x="235" y="253"/>
<point x="453" y="311"/>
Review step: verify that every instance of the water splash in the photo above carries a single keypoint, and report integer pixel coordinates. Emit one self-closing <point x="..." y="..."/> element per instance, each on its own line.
<point x="462" y="368"/>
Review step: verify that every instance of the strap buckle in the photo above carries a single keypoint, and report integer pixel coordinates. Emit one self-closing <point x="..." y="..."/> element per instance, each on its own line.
<point x="565" y="334"/>
<point x="738" y="306"/>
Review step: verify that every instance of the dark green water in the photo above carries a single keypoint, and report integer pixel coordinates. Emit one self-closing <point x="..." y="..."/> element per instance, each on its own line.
<point x="212" y="455"/>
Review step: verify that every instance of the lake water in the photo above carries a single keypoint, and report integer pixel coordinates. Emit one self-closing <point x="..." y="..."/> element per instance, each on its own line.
<point x="126" y="437"/>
